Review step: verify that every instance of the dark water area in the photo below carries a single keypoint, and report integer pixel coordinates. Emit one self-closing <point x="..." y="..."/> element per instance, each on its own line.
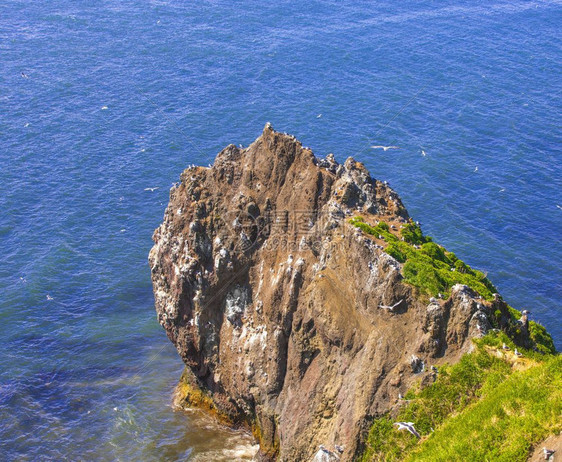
<point x="100" y="101"/>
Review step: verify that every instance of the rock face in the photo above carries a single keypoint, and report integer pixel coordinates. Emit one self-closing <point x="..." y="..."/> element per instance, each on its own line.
<point x="288" y="318"/>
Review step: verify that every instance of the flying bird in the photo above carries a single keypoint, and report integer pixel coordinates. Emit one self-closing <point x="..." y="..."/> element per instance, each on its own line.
<point x="24" y="75"/>
<point x="318" y="116"/>
<point x="151" y="189"/>
<point x="548" y="453"/>
<point x="391" y="308"/>
<point x="408" y="426"/>
<point x="385" y="148"/>
<point x="423" y="153"/>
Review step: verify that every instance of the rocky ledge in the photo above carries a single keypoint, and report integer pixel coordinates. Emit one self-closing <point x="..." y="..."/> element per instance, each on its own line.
<point x="291" y="318"/>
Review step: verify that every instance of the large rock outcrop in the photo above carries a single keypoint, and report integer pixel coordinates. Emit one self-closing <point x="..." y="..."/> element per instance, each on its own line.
<point x="288" y="318"/>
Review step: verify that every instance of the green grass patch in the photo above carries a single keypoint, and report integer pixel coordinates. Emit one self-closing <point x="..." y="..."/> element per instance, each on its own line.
<point x="505" y="423"/>
<point x="412" y="234"/>
<point x="381" y="229"/>
<point x="541" y="337"/>
<point x="480" y="409"/>
<point x="427" y="265"/>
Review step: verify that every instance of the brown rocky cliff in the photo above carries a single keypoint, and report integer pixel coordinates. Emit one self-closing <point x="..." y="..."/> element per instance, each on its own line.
<point x="276" y="303"/>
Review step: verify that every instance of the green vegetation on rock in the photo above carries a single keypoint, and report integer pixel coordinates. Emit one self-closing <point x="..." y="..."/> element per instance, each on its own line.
<point x="433" y="270"/>
<point x="541" y="337"/>
<point x="489" y="406"/>
<point x="537" y="332"/>
<point x="427" y="266"/>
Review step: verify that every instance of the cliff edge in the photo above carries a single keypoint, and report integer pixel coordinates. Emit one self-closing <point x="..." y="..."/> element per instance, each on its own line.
<point x="294" y="291"/>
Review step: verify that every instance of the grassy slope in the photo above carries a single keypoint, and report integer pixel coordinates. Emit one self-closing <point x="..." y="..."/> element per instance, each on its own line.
<point x="482" y="408"/>
<point x="485" y="407"/>
<point x="506" y="422"/>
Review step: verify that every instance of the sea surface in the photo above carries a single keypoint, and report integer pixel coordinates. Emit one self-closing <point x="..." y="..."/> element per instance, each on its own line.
<point x="101" y="100"/>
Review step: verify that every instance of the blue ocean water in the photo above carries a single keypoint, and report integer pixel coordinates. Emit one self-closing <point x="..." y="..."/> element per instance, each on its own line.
<point x="101" y="100"/>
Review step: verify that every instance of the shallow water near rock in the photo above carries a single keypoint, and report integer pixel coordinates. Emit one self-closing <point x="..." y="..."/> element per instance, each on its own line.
<point x="101" y="102"/>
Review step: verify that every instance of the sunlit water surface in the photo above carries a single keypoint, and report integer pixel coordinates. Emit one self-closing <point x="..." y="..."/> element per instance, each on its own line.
<point x="100" y="100"/>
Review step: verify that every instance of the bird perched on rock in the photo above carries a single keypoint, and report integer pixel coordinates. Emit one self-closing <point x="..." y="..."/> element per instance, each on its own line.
<point x="524" y="316"/>
<point x="505" y="347"/>
<point x="408" y="426"/>
<point x="548" y="453"/>
<point x="417" y="364"/>
<point x="517" y="353"/>
<point x="325" y="455"/>
<point x="524" y="320"/>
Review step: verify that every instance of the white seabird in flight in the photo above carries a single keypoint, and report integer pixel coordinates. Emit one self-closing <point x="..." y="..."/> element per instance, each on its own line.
<point x="408" y="426"/>
<point x="385" y="148"/>
<point x="391" y="308"/>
